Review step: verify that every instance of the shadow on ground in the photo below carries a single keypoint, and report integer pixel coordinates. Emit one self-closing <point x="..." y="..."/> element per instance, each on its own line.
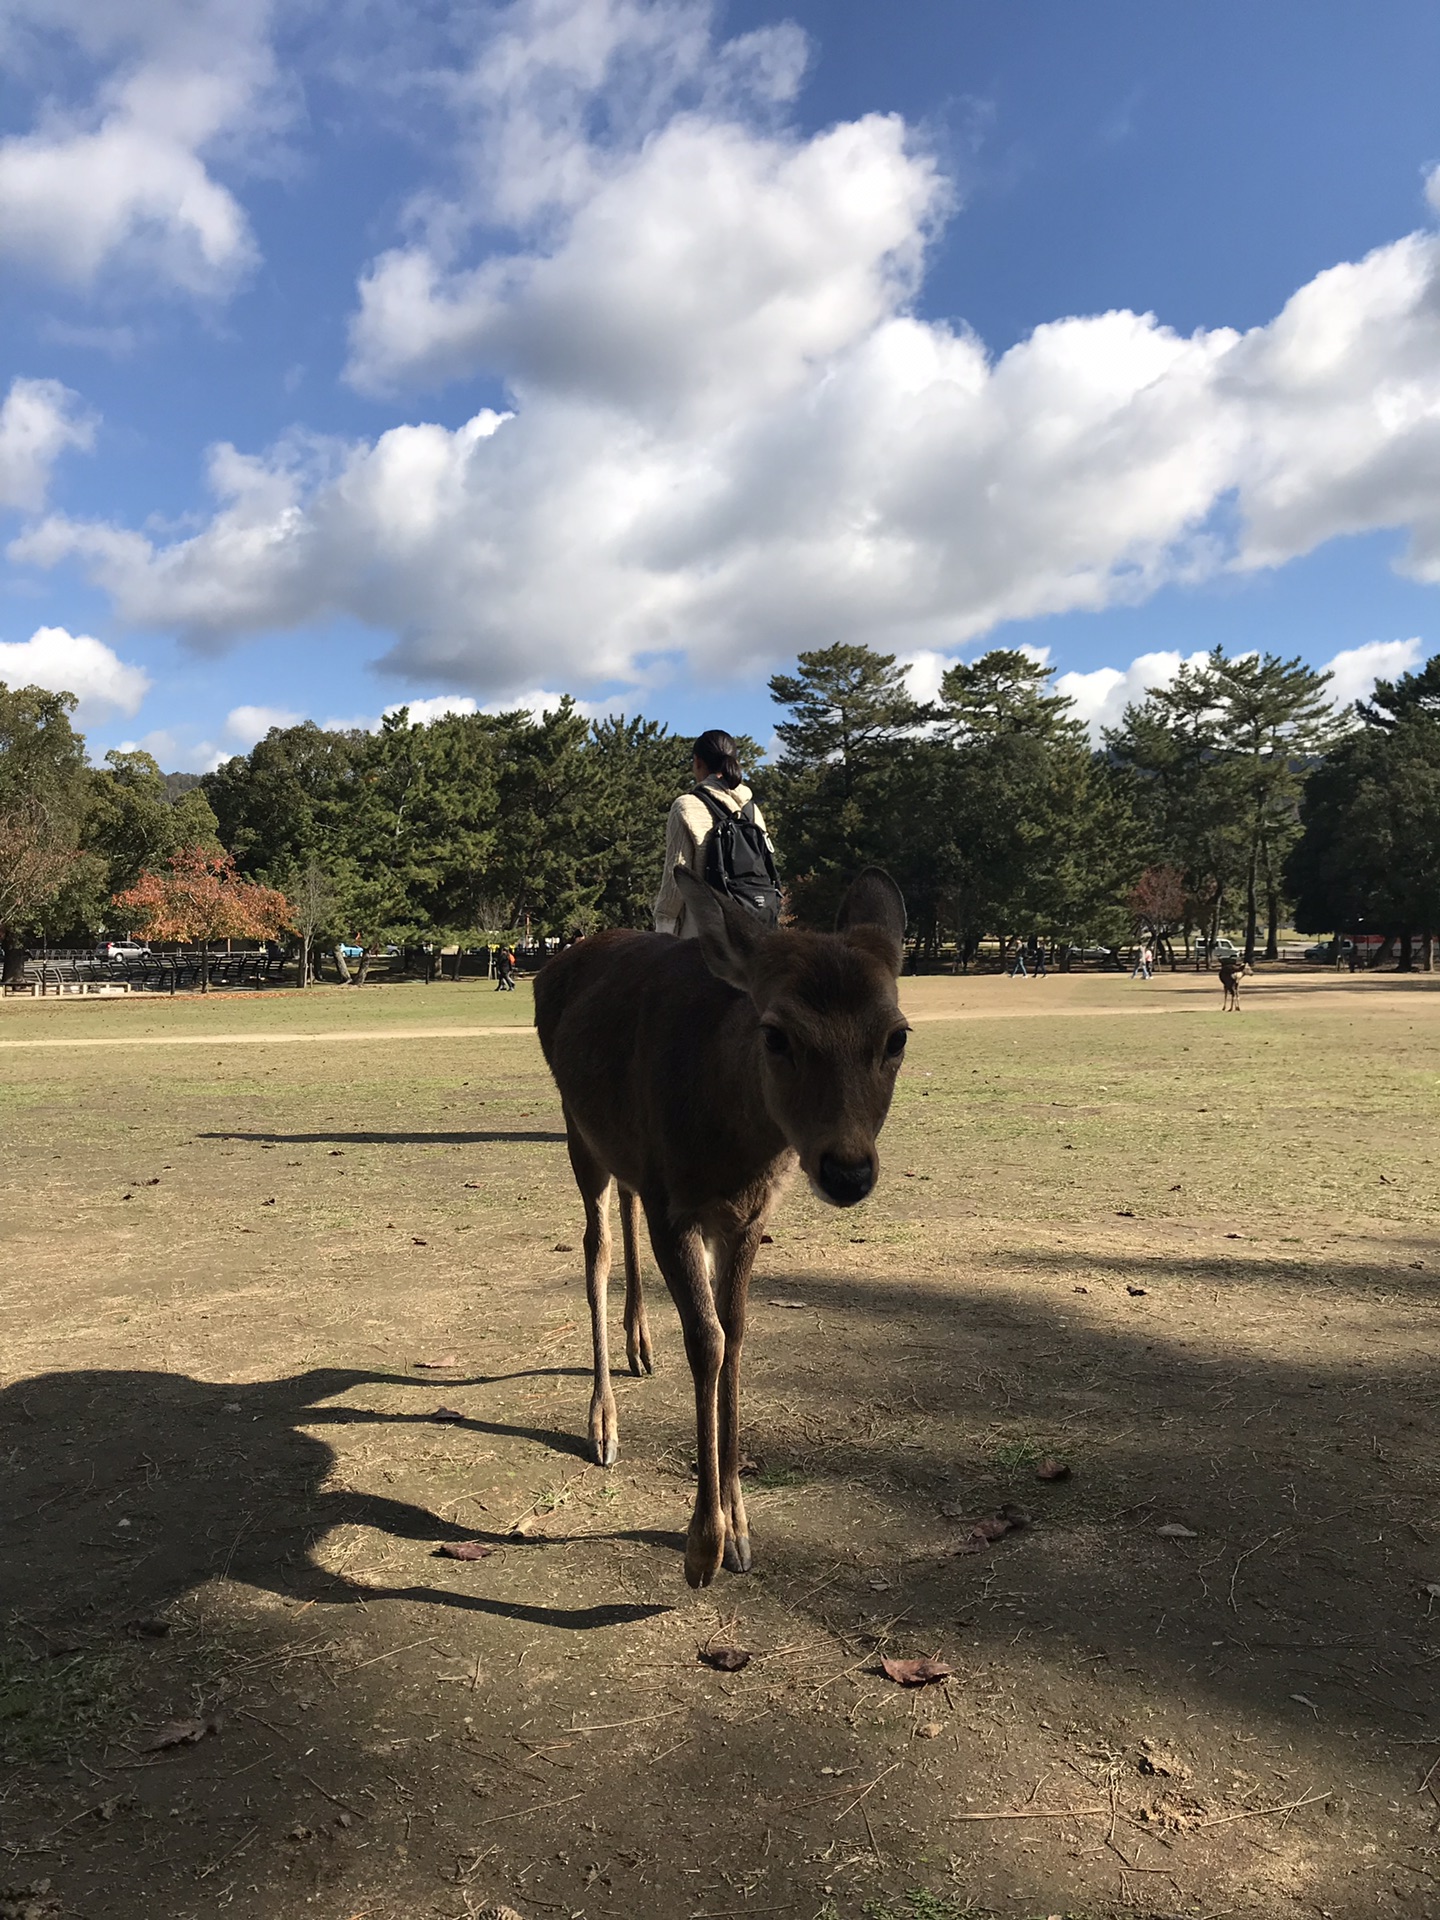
<point x="1283" y="1629"/>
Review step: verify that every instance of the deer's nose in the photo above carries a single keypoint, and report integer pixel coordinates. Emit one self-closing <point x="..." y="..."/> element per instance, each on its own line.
<point x="846" y="1181"/>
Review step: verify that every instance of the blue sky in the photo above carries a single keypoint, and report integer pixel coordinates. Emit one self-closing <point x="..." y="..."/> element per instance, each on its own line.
<point x="1109" y="331"/>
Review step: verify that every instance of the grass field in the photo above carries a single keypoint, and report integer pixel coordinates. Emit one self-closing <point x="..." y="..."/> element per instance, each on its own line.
<point x="1192" y="1257"/>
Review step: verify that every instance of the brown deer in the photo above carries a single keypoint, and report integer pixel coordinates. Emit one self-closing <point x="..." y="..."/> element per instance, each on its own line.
<point x="695" y="1075"/>
<point x="1232" y="970"/>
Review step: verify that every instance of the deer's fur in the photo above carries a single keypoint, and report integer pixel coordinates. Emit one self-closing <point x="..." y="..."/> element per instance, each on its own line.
<point x="696" y="1075"/>
<point x="1232" y="972"/>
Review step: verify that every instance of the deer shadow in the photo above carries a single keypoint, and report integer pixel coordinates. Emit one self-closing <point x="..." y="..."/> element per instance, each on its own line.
<point x="129" y="1489"/>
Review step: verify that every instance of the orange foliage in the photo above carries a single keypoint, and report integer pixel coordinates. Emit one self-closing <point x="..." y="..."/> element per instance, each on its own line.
<point x="200" y="897"/>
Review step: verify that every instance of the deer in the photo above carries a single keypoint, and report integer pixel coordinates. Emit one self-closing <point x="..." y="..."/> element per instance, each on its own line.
<point x="696" y="1075"/>
<point x="1231" y="972"/>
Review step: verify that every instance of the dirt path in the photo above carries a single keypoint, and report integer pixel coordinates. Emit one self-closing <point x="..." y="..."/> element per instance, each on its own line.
<point x="1198" y="1262"/>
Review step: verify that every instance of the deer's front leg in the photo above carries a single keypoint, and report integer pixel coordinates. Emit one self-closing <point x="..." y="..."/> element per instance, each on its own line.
<point x="680" y="1252"/>
<point x="732" y="1288"/>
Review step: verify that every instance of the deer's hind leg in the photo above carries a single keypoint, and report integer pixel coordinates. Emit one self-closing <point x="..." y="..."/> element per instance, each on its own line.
<point x="637" y="1327"/>
<point x="595" y="1183"/>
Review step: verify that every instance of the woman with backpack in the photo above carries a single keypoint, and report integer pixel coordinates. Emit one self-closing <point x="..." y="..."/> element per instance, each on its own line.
<point x="718" y="833"/>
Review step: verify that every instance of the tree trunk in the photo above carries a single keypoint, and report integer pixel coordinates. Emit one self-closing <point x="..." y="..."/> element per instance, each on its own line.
<point x="1427" y="951"/>
<point x="205" y="968"/>
<point x="1403" y="961"/>
<point x="1272" y="924"/>
<point x="303" y="977"/>
<point x="1252" y="904"/>
<point x="14" y="970"/>
<point x="364" y="968"/>
<point x="340" y="967"/>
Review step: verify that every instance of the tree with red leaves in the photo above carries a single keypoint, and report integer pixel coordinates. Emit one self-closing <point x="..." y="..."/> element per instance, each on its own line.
<point x="201" y="898"/>
<point x="1158" y="904"/>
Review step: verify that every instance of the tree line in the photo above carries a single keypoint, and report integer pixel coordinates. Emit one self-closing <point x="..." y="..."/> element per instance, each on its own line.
<point x="1234" y="797"/>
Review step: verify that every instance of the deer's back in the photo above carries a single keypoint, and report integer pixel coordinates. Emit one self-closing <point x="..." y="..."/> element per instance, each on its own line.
<point x="644" y="1043"/>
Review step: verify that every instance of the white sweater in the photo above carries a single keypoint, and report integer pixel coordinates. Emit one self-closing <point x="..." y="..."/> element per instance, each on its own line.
<point x="686" y="831"/>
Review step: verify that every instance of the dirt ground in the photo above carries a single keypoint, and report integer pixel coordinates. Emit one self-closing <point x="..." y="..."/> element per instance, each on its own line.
<point x="1192" y="1257"/>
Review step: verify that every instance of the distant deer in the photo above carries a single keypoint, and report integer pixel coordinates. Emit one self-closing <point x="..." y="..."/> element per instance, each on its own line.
<point x="695" y="1074"/>
<point x="1231" y="972"/>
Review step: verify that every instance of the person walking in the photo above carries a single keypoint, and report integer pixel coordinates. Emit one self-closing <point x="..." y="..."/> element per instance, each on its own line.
<point x="1017" y="968"/>
<point x="1042" y="972"/>
<point x="505" y="971"/>
<point x="1144" y="961"/>
<point x="719" y="790"/>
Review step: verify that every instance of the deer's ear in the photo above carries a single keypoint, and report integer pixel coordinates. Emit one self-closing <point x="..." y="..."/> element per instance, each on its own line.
<point x="872" y="915"/>
<point x="727" y="933"/>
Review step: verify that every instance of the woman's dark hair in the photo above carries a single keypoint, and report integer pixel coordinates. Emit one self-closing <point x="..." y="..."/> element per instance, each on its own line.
<point x="716" y="753"/>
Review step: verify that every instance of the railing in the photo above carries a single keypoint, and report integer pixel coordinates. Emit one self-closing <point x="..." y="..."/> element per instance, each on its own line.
<point x="142" y="973"/>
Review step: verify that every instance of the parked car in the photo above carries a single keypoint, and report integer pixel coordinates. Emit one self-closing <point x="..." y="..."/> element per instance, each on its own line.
<point x="1221" y="949"/>
<point x="1324" y="952"/>
<point x="122" y="950"/>
<point x="352" y="952"/>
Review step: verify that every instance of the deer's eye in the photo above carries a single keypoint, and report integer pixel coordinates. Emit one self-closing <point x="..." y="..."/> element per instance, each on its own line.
<point x="777" y="1041"/>
<point x="895" y="1045"/>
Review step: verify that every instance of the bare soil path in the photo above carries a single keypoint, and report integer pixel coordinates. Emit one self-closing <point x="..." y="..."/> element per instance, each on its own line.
<point x="1194" y="1260"/>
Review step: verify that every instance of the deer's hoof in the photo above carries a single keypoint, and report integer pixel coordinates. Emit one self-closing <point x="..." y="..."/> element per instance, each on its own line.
<point x="641" y="1363"/>
<point x="737" y="1553"/>
<point x="604" y="1434"/>
<point x="703" y="1557"/>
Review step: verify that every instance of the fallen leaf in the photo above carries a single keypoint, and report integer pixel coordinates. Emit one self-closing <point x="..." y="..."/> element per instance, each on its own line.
<point x="1172" y="1530"/>
<point x="749" y="1465"/>
<point x="1082" y="1289"/>
<point x="914" y="1673"/>
<point x="1419" y="1265"/>
<point x="931" y="1730"/>
<point x="337" y="1153"/>
<point x="1136" y="1293"/>
<point x="415" y="1241"/>
<point x="1306" y="1701"/>
<point x="436" y="1366"/>
<point x="1234" y="1236"/>
<point x="725" y="1659"/>
<point x="465" y="1550"/>
<point x="267" y="1203"/>
<point x="473" y="1185"/>
<point x="993" y="1526"/>
<point x="153" y="1183"/>
<point x="1052" y="1469"/>
<point x="1125" y="1213"/>
<point x="1176" y="1187"/>
<point x="562" y="1247"/>
<point x="949" y="1510"/>
<point x="1432" y="1587"/>
<point x="179" y="1733"/>
<point x="878" y="1584"/>
<point x="442" y="1414"/>
<point x="767" y="1239"/>
<point x="300" y="1833"/>
<point x="147" y="1629"/>
<point x="792" y="1304"/>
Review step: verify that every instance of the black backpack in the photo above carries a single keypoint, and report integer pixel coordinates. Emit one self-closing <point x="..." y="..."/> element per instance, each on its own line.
<point x="738" y="862"/>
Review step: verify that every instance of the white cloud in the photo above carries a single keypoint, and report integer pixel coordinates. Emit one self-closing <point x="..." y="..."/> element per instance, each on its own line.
<point x="179" y="752"/>
<point x="731" y="436"/>
<point x="246" y="725"/>
<point x="74" y="663"/>
<point x="1100" y="698"/>
<point x="39" y="419"/>
<point x="122" y="178"/>
<point x="1356" y="669"/>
